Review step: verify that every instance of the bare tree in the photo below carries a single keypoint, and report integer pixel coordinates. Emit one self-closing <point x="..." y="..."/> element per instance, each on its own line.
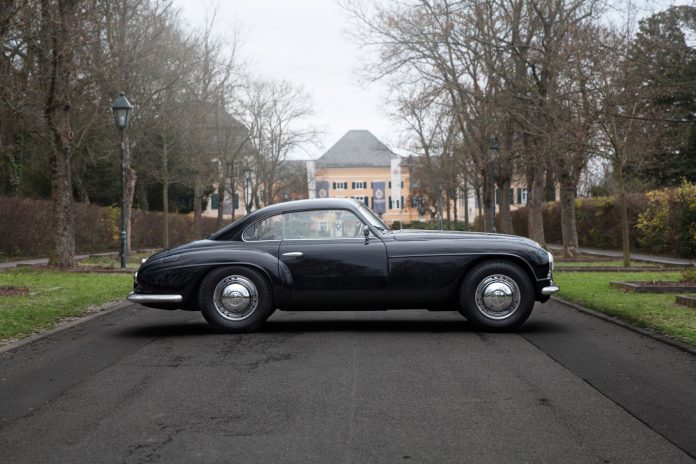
<point x="630" y="125"/>
<point x="231" y="139"/>
<point x="276" y="115"/>
<point x="58" y="41"/>
<point x="215" y="72"/>
<point x="141" y="43"/>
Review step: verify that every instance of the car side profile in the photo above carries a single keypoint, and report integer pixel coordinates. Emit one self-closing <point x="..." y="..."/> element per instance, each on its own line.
<point x="336" y="254"/>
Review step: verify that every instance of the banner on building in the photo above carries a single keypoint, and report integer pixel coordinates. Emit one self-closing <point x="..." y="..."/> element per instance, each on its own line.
<point x="379" y="197"/>
<point x="396" y="183"/>
<point x="322" y="189"/>
<point x="311" y="179"/>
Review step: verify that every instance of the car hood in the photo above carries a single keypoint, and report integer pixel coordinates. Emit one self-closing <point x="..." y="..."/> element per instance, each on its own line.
<point x="415" y="235"/>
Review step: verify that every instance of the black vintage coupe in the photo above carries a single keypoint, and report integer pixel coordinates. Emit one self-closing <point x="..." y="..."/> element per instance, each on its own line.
<point x="335" y="254"/>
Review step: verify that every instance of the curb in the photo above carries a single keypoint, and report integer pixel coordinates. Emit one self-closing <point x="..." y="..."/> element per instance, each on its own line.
<point x="616" y="321"/>
<point x="102" y="310"/>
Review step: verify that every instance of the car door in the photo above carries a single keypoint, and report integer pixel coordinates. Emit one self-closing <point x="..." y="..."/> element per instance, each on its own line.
<point x="331" y="264"/>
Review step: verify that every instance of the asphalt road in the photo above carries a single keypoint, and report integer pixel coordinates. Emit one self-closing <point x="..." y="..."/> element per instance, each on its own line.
<point x="141" y="385"/>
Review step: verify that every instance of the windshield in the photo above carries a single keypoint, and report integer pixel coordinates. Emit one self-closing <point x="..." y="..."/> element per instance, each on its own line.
<point x="373" y="219"/>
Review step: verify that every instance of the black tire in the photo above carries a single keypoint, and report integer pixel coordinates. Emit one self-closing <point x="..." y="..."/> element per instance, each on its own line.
<point x="495" y="308"/>
<point x="225" y="291"/>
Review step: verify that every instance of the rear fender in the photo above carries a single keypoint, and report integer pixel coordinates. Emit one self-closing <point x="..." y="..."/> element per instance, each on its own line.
<point x="184" y="273"/>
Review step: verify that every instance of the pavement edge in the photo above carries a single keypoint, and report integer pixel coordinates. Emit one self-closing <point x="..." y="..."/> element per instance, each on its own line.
<point x="648" y="333"/>
<point x="99" y="311"/>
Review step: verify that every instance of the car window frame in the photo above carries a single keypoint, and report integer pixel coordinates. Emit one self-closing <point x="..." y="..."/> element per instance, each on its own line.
<point x="357" y="215"/>
<point x="260" y="220"/>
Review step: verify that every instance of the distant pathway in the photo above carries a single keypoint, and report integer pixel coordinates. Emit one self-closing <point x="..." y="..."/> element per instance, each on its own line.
<point x="32" y="262"/>
<point x="636" y="256"/>
<point x="44" y="261"/>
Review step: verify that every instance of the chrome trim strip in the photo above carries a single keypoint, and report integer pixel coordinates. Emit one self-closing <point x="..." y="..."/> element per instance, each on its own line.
<point x="550" y="290"/>
<point x="144" y="298"/>
<point x="293" y="253"/>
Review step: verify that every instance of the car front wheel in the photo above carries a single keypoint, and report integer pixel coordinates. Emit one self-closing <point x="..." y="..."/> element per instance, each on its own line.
<point x="235" y="299"/>
<point x="497" y="295"/>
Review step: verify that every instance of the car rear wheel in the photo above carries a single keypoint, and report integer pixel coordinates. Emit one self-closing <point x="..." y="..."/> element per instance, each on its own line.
<point x="497" y="295"/>
<point x="235" y="299"/>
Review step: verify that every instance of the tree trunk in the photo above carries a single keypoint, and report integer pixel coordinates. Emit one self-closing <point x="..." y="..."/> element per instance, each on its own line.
<point x="131" y="178"/>
<point x="535" y="205"/>
<point x="7" y="133"/>
<point x="568" y="224"/>
<point x="165" y="191"/>
<point x="56" y="65"/>
<point x="504" y="216"/>
<point x="81" y="191"/>
<point x="143" y="200"/>
<point x="197" y="207"/>
<point x="233" y="188"/>
<point x="489" y="202"/>
<point x="63" y="253"/>
<point x="480" y="209"/>
<point x="165" y="213"/>
<point x="221" y="200"/>
<point x="466" y="204"/>
<point x="448" y="201"/>
<point x="625" y="243"/>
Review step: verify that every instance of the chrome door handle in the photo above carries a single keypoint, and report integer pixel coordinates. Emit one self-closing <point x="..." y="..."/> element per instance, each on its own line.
<point x="293" y="253"/>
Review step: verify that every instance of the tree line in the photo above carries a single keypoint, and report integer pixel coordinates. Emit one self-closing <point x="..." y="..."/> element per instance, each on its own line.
<point x="496" y="91"/>
<point x="199" y="116"/>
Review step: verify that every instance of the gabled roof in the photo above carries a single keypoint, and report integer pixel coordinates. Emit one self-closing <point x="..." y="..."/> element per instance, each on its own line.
<point x="357" y="148"/>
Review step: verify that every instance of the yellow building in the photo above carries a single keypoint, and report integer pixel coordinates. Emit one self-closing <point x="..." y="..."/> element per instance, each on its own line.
<point x="360" y="166"/>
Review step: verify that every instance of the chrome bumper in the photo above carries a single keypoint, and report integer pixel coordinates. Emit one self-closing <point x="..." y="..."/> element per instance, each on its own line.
<point x="144" y="299"/>
<point x="550" y="290"/>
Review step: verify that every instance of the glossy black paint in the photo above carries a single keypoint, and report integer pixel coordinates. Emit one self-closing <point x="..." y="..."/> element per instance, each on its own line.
<point x="344" y="272"/>
<point x="393" y="270"/>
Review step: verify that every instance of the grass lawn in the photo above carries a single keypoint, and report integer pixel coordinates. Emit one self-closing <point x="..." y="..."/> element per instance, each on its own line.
<point x="658" y="312"/>
<point x="52" y="296"/>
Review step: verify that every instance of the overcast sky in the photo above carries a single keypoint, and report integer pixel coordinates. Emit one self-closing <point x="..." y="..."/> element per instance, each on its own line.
<point x="303" y="41"/>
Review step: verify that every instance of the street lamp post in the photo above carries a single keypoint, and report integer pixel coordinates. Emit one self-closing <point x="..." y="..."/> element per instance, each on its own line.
<point x="493" y="148"/>
<point x="122" y="108"/>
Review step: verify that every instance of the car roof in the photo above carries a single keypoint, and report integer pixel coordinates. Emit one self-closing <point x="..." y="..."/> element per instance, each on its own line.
<point x="314" y="203"/>
<point x="295" y="205"/>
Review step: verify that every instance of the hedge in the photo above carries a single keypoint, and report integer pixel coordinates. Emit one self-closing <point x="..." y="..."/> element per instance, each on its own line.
<point x="25" y="227"/>
<point x="661" y="221"/>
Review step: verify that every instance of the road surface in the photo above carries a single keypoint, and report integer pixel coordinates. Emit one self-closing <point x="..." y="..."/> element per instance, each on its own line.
<point x="143" y="385"/>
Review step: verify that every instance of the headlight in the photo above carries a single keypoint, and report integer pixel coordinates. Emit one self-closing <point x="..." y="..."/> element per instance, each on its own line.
<point x="550" y="262"/>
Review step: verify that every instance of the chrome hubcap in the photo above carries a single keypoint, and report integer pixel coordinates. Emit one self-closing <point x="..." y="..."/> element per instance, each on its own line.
<point x="497" y="297"/>
<point x="235" y="297"/>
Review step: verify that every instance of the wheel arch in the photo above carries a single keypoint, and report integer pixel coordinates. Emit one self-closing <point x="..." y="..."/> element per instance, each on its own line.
<point x="264" y="272"/>
<point x="514" y="259"/>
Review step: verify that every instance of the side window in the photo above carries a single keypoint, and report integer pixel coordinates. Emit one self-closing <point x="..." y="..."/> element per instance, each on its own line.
<point x="270" y="228"/>
<point x="322" y="224"/>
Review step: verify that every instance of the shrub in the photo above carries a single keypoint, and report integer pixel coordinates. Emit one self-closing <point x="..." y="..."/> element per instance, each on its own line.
<point x="26" y="230"/>
<point x="668" y="223"/>
<point x="661" y="221"/>
<point x="689" y="275"/>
